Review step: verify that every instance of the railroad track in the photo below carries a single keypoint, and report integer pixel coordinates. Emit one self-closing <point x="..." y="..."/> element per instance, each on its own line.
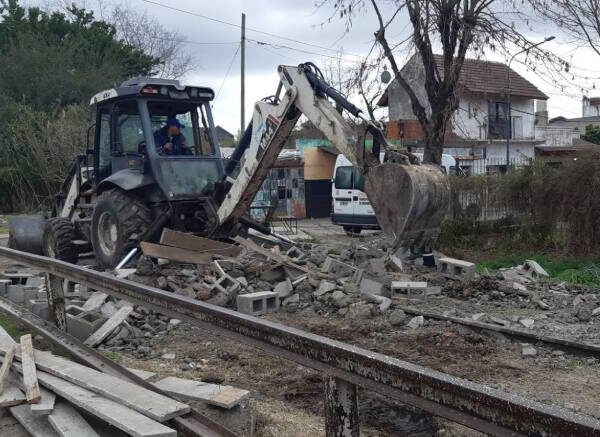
<point x="345" y="367"/>
<point x="571" y="345"/>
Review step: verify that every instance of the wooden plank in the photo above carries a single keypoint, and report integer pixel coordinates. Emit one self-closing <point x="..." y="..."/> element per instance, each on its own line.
<point x="147" y="402"/>
<point x="223" y="396"/>
<point x="37" y="426"/>
<point x="6" y="341"/>
<point x="115" y="413"/>
<point x="175" y="253"/>
<point x="6" y="363"/>
<point x="95" y="301"/>
<point x="11" y="396"/>
<point x="32" y="388"/>
<point x="67" y="422"/>
<point x="144" y="374"/>
<point x="46" y="405"/>
<point x="9" y="426"/>
<point x="103" y="331"/>
<point x="183" y="240"/>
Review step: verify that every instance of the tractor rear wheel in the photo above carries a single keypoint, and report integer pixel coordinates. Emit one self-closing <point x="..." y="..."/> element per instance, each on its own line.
<point x="59" y="234"/>
<point x="118" y="222"/>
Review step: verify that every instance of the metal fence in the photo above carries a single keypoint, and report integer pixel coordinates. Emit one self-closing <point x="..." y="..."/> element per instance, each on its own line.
<point x="481" y="201"/>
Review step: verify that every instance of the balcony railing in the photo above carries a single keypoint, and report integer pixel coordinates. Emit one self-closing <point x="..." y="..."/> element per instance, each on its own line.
<point x="497" y="128"/>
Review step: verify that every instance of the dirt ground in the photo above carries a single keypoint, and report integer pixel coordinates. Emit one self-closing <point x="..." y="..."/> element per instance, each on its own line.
<point x="286" y="399"/>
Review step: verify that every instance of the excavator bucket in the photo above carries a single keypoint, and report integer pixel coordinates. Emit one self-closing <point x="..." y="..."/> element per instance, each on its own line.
<point x="27" y="234"/>
<point x="409" y="200"/>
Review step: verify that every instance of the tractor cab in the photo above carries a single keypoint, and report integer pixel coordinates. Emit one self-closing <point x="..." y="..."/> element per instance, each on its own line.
<point x="132" y="118"/>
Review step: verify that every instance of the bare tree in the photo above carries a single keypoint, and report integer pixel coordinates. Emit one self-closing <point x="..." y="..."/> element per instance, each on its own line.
<point x="580" y="19"/>
<point x="453" y="27"/>
<point x="147" y="34"/>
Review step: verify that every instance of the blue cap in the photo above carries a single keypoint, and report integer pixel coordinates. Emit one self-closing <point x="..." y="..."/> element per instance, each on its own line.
<point x="174" y="122"/>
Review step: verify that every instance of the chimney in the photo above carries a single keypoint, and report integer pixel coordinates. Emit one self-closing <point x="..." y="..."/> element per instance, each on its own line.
<point x="541" y="113"/>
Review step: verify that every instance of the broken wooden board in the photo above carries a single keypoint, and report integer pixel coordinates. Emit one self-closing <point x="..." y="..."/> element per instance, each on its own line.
<point x="143" y="374"/>
<point x="182" y="240"/>
<point x="11" y="396"/>
<point x="103" y="331"/>
<point x="46" y="405"/>
<point x="115" y="413"/>
<point x="6" y="363"/>
<point x="32" y="388"/>
<point x="37" y="426"/>
<point x="95" y="301"/>
<point x="175" y="253"/>
<point x="223" y="396"/>
<point x="147" y="402"/>
<point x="67" y="422"/>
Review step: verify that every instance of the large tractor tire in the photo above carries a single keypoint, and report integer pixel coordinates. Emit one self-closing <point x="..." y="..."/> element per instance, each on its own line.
<point x="118" y="222"/>
<point x="59" y="234"/>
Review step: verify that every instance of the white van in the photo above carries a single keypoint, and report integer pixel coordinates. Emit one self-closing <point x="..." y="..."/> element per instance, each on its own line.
<point x="351" y="207"/>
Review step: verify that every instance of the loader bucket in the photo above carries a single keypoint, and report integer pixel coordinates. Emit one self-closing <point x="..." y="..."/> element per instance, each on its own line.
<point x="27" y="234"/>
<point x="410" y="201"/>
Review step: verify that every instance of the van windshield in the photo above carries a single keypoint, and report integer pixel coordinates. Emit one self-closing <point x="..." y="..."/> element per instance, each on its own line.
<point x="349" y="178"/>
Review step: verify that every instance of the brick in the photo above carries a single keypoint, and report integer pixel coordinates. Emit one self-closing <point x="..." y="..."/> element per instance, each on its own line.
<point x="408" y="288"/>
<point x="456" y="269"/>
<point x="256" y="304"/>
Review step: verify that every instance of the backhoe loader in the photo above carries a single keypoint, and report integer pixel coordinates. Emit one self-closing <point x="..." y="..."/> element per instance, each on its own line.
<point x="125" y="188"/>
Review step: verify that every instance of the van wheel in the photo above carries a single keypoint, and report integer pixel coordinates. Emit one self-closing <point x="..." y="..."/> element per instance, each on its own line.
<point x="352" y="231"/>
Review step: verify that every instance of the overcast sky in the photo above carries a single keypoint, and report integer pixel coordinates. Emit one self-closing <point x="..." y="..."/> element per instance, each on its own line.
<point x="301" y="21"/>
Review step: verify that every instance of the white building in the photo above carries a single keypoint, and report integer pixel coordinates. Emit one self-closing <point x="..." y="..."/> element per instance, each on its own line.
<point x="480" y="126"/>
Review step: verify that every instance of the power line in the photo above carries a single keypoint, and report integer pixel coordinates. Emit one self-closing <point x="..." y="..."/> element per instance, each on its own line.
<point x="228" y="70"/>
<point x="227" y="23"/>
<point x="279" y="46"/>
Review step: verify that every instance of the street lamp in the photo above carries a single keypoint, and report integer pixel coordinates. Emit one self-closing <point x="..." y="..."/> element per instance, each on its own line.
<point x="508" y="100"/>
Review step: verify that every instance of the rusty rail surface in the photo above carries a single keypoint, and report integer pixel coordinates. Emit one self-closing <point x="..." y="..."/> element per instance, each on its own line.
<point x="473" y="405"/>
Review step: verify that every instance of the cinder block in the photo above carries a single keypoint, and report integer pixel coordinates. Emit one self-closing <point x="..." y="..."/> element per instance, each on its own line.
<point x="4" y="284"/>
<point x="16" y="293"/>
<point x="35" y="281"/>
<point x="42" y="294"/>
<point x="40" y="308"/>
<point x="30" y="292"/>
<point x="408" y="289"/>
<point x="256" y="304"/>
<point x="295" y="254"/>
<point x="456" y="269"/>
<point x="336" y="267"/>
<point x="81" y="324"/>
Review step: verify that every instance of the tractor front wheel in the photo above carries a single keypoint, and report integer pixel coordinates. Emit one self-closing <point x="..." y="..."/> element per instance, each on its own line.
<point x="118" y="222"/>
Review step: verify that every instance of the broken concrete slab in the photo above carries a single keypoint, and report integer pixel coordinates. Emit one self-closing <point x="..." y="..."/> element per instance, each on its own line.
<point x="370" y="286"/>
<point x="527" y="322"/>
<point x="397" y="317"/>
<point x="416" y="322"/>
<point x="528" y="350"/>
<point x="95" y="301"/>
<point x="533" y="269"/>
<point x="324" y="287"/>
<point x="284" y="288"/>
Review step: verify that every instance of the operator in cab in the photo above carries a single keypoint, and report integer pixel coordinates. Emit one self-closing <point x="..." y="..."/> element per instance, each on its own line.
<point x="170" y="140"/>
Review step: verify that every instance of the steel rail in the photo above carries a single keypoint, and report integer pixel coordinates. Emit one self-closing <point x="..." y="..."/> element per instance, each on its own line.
<point x="473" y="405"/>
<point x="192" y="424"/>
<point x="563" y="343"/>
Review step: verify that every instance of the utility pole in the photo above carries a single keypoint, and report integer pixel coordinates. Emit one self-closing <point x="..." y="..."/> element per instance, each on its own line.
<point x="242" y="71"/>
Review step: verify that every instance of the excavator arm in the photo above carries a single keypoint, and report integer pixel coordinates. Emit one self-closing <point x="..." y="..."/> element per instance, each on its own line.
<point x="409" y="199"/>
